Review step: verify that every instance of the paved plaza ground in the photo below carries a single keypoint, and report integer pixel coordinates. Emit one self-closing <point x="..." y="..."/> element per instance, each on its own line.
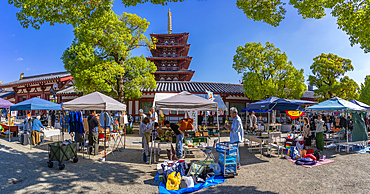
<point x="26" y="171"/>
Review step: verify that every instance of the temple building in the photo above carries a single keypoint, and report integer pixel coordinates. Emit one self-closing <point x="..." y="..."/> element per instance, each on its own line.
<point x="172" y="76"/>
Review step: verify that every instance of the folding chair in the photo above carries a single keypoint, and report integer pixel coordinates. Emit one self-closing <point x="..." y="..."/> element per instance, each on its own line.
<point x="208" y="152"/>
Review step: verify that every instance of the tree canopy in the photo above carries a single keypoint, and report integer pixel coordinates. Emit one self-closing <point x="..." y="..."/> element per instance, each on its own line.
<point x="267" y="72"/>
<point x="100" y="57"/>
<point x="352" y="15"/>
<point x="328" y="76"/>
<point x="365" y="91"/>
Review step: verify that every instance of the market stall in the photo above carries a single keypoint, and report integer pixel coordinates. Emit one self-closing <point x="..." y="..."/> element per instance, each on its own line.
<point x="340" y="105"/>
<point x="4" y="104"/>
<point x="97" y="101"/>
<point x="184" y="101"/>
<point x="36" y="104"/>
<point x="269" y="104"/>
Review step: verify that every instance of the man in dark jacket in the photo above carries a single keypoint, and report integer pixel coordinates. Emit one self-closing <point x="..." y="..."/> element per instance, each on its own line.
<point x="93" y="132"/>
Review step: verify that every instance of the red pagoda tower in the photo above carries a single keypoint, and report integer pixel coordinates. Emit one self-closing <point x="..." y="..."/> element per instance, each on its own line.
<point x="171" y="55"/>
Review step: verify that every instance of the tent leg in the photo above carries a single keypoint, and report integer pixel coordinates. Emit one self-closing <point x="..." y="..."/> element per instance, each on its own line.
<point x="218" y="126"/>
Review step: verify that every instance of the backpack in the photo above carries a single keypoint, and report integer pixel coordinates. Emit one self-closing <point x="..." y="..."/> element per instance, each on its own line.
<point x="318" y="155"/>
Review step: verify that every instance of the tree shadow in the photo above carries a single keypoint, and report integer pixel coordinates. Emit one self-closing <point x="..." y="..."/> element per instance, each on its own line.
<point x="233" y="189"/>
<point x="29" y="171"/>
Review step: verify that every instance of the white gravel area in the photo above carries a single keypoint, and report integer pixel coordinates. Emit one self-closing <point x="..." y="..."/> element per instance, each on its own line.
<point x="25" y="171"/>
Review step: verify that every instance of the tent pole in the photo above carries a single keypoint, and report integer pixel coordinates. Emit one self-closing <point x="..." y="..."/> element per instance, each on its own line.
<point x="218" y="126"/>
<point x="105" y="135"/>
<point x="9" y="117"/>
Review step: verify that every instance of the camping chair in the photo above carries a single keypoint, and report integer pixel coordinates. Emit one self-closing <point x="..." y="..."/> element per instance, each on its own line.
<point x="208" y="152"/>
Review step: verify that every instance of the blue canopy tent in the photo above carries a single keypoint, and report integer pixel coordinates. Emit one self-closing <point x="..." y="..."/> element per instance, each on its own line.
<point x="274" y="103"/>
<point x="36" y="104"/>
<point x="358" y="103"/>
<point x="336" y="104"/>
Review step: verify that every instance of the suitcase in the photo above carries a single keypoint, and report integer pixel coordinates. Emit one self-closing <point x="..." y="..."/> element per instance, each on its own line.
<point x="24" y="139"/>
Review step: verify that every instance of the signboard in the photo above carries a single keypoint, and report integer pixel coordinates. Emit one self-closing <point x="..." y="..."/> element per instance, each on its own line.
<point x="294" y="114"/>
<point x="193" y="114"/>
<point x="14" y="113"/>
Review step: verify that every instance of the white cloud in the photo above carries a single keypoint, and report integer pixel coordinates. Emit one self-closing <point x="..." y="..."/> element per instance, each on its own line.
<point x="28" y="69"/>
<point x="19" y="59"/>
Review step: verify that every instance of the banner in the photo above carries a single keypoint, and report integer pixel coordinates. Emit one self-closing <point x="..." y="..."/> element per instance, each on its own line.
<point x="294" y="114"/>
<point x="210" y="96"/>
<point x="193" y="114"/>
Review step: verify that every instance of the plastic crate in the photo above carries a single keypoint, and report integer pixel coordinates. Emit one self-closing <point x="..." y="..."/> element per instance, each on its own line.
<point x="223" y="147"/>
<point x="227" y="169"/>
<point x="230" y="159"/>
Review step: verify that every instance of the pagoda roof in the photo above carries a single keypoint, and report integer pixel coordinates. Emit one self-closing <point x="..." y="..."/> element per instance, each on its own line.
<point x="172" y="34"/>
<point x="183" y="71"/>
<point x="170" y="58"/>
<point x="29" y="80"/>
<point x="172" y="45"/>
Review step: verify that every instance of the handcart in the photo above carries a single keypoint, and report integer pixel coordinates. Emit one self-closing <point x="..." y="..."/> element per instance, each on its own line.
<point x="228" y="158"/>
<point x="59" y="152"/>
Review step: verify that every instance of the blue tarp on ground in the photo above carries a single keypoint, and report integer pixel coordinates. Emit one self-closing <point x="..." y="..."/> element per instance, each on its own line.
<point x="36" y="104"/>
<point x="336" y="104"/>
<point x="210" y="182"/>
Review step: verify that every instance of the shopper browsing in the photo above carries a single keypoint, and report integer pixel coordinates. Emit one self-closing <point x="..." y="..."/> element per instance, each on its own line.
<point x="142" y="115"/>
<point x="253" y="121"/>
<point x="36" y="127"/>
<point x="153" y="116"/>
<point x="179" y="137"/>
<point x="93" y="132"/>
<point x="319" y="133"/>
<point x="144" y="132"/>
<point x="236" y="128"/>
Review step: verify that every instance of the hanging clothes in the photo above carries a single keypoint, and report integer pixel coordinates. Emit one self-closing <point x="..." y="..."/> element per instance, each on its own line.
<point x="104" y="120"/>
<point x="76" y="123"/>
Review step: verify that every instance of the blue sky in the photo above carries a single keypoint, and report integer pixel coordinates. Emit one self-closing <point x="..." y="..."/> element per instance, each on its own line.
<point x="216" y="27"/>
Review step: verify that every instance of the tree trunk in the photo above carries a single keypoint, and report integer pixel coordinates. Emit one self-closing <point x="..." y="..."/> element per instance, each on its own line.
<point x="121" y="92"/>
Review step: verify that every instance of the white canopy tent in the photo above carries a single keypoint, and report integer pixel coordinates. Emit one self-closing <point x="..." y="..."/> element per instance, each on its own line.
<point x="95" y="101"/>
<point x="184" y="101"/>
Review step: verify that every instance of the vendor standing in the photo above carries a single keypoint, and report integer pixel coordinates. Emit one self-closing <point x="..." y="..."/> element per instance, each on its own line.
<point x="253" y="121"/>
<point x="93" y="132"/>
<point x="179" y="137"/>
<point x="36" y="126"/>
<point x="236" y="129"/>
<point x="153" y="116"/>
<point x="144" y="132"/>
<point x="319" y="133"/>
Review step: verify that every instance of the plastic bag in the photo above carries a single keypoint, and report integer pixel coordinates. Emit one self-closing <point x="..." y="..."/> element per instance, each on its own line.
<point x="187" y="182"/>
<point x="173" y="181"/>
<point x="215" y="167"/>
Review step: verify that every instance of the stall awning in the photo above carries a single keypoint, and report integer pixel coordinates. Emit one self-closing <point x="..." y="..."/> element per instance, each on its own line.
<point x="94" y="101"/>
<point x="36" y="104"/>
<point x="5" y="103"/>
<point x="336" y="104"/>
<point x="363" y="105"/>
<point x="185" y="101"/>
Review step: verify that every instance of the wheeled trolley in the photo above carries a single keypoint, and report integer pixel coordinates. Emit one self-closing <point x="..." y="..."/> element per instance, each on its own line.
<point x="59" y="152"/>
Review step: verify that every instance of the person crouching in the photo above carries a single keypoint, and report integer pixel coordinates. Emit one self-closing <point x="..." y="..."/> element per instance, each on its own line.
<point x="145" y="135"/>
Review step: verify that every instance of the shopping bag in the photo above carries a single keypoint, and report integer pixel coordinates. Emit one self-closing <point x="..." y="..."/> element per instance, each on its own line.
<point x="173" y="181"/>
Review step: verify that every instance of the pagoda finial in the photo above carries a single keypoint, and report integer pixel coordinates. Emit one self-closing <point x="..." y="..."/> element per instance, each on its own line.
<point x="169" y="24"/>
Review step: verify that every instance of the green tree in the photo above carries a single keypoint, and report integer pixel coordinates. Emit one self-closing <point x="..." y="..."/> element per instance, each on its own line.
<point x="365" y="91"/>
<point x="328" y="76"/>
<point x="267" y="72"/>
<point x="100" y="57"/>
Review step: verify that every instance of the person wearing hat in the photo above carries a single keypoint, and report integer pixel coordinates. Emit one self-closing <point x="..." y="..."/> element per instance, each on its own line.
<point x="142" y="115"/>
<point x="36" y="126"/>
